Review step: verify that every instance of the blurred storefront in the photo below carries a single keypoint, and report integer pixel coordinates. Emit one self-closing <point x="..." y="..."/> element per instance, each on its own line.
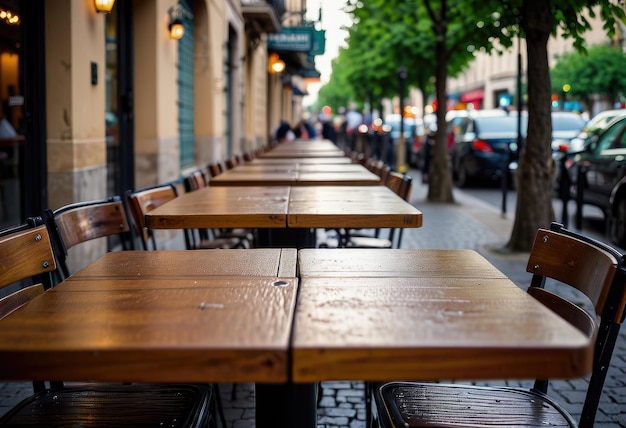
<point x="94" y="104"/>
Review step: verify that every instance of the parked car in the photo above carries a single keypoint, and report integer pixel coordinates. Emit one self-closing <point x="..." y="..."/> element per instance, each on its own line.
<point x="485" y="146"/>
<point x="593" y="128"/>
<point x="583" y="141"/>
<point x="599" y="174"/>
<point x="566" y="126"/>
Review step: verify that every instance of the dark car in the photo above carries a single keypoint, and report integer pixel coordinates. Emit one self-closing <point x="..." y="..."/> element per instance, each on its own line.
<point x="599" y="174"/>
<point x="566" y="126"/>
<point x="587" y="137"/>
<point x="485" y="146"/>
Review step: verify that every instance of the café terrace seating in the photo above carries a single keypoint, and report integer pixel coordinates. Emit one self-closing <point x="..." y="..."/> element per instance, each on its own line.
<point x="77" y="223"/>
<point x="146" y="199"/>
<point x="28" y="260"/>
<point x="402" y="185"/>
<point x="589" y="266"/>
<point x="241" y="238"/>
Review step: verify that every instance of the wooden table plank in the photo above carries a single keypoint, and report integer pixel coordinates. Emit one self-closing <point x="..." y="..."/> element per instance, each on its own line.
<point x="215" y="206"/>
<point x="241" y="177"/>
<point x="348" y="262"/>
<point x="268" y="262"/>
<point x="235" y="177"/>
<point x="350" y="206"/>
<point x="336" y="178"/>
<point x="234" y="332"/>
<point x="302" y="153"/>
<point x="430" y="329"/>
<point x="300" y="160"/>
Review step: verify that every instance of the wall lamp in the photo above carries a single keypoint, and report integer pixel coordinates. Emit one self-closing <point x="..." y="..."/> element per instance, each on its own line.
<point x="104" y="6"/>
<point x="176" y="26"/>
<point x="275" y="64"/>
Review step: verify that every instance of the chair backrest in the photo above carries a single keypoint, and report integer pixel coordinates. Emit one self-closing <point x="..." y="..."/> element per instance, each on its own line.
<point x="145" y="200"/>
<point x="25" y="254"/>
<point x="194" y="181"/>
<point x="216" y="168"/>
<point x="74" y="224"/>
<point x="595" y="269"/>
<point x="381" y="169"/>
<point x="401" y="184"/>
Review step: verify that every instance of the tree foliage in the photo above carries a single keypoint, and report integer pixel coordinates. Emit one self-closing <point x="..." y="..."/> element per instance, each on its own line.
<point x="437" y="39"/>
<point x="599" y="70"/>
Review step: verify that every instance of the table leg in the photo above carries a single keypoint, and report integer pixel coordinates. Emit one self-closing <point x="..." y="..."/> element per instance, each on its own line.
<point x="286" y="238"/>
<point x="286" y="405"/>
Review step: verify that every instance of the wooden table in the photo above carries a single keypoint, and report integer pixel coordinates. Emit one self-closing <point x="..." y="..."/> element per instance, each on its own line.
<point x="384" y="315"/>
<point x="288" y="212"/>
<point x="224" y="207"/>
<point x="255" y="168"/>
<point x="302" y="148"/>
<point x="301" y="160"/>
<point x="231" y="316"/>
<point x="159" y="316"/>
<point x="297" y="177"/>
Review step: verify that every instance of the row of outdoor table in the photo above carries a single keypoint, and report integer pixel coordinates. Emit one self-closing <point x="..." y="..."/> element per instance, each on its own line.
<point x="285" y="318"/>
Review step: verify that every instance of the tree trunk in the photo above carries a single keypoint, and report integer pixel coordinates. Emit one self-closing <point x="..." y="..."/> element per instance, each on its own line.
<point x="534" y="179"/>
<point x="439" y="176"/>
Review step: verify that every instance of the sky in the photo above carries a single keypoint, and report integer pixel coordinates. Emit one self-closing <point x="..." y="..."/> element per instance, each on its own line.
<point x="333" y="18"/>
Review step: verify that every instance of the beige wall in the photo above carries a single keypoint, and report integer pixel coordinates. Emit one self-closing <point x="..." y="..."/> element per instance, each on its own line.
<point x="75" y="107"/>
<point x="75" y="110"/>
<point x="156" y="94"/>
<point x="256" y="124"/>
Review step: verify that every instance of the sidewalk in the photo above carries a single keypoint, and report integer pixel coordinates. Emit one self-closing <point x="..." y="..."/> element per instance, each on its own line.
<point x="469" y="224"/>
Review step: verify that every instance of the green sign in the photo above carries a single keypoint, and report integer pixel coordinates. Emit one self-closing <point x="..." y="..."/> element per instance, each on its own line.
<point x="298" y="39"/>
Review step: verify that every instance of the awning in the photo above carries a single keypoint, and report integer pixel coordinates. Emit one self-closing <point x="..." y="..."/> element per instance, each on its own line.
<point x="472" y="96"/>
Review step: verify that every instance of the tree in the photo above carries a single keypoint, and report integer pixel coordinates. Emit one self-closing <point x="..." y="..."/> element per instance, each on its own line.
<point x="597" y="71"/>
<point x="538" y="20"/>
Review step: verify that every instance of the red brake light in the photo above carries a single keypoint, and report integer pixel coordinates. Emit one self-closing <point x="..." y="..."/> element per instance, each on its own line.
<point x="482" y="146"/>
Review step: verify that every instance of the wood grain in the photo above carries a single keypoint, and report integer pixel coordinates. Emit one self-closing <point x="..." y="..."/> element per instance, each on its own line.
<point x="350" y="206"/>
<point x="234" y="330"/>
<point x="215" y="207"/>
<point x="268" y="262"/>
<point x="383" y="328"/>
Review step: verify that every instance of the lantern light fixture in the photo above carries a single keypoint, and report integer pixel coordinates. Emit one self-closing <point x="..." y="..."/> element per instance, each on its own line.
<point x="176" y="26"/>
<point x="104" y="6"/>
<point x="275" y="64"/>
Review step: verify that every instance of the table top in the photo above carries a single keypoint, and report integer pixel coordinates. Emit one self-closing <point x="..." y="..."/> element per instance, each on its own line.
<point x="372" y="315"/>
<point x="216" y="207"/>
<point x="252" y="168"/>
<point x="301" y="160"/>
<point x="297" y="177"/>
<point x="301" y="148"/>
<point x="255" y="262"/>
<point x="349" y="206"/>
<point x="286" y="207"/>
<point x="148" y="323"/>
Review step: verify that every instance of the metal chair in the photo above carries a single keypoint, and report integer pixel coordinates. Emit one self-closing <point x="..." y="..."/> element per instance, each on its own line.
<point x="593" y="268"/>
<point x="146" y="199"/>
<point x="402" y="185"/>
<point x="77" y="223"/>
<point x="27" y="258"/>
<point x="222" y="237"/>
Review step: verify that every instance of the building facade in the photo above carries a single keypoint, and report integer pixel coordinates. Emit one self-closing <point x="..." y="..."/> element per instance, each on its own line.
<point x="491" y="80"/>
<point x="95" y="104"/>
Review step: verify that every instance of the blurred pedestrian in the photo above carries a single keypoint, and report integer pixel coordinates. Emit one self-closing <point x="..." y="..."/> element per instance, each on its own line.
<point x="304" y="129"/>
<point x="353" y="120"/>
<point x="283" y="132"/>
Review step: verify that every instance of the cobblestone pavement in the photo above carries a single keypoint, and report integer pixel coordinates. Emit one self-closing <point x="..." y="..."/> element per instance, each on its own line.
<point x="470" y="224"/>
